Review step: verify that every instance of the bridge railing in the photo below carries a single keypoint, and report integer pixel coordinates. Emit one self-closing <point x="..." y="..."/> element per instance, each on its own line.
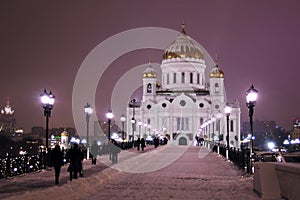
<point x="240" y="157"/>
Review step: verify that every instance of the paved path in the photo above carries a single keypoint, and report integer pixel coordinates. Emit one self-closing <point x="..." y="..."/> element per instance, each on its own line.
<point x="196" y="174"/>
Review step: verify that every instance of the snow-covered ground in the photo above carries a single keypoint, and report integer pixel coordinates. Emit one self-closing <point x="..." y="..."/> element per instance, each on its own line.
<point x="169" y="172"/>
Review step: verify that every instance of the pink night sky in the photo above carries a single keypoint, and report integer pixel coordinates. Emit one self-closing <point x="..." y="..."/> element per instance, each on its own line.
<point x="43" y="44"/>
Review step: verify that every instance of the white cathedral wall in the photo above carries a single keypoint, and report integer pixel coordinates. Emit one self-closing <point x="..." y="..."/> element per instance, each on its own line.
<point x="169" y="68"/>
<point x="167" y="118"/>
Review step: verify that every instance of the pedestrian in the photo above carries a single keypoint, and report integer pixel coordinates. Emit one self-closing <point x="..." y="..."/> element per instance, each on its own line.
<point x="94" y="152"/>
<point x="57" y="160"/>
<point x="156" y="142"/>
<point x="143" y="144"/>
<point x="114" y="151"/>
<point x="197" y="140"/>
<point x="75" y="165"/>
<point x="138" y="143"/>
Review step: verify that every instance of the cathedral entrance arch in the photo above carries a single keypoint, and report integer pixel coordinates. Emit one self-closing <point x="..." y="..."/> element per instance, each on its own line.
<point x="182" y="141"/>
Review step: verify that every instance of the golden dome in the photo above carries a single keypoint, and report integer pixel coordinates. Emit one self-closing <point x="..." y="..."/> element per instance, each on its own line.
<point x="149" y="72"/>
<point x="183" y="47"/>
<point x="216" y="72"/>
<point x="65" y="133"/>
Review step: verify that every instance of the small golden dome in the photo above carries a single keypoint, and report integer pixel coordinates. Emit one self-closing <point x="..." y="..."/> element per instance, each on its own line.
<point x="183" y="47"/>
<point x="158" y="84"/>
<point x="65" y="133"/>
<point x="149" y="72"/>
<point x="216" y="72"/>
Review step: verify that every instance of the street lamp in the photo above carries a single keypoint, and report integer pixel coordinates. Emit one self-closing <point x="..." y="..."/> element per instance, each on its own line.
<point x="109" y="116"/>
<point x="227" y="111"/>
<point x="251" y="101"/>
<point x="149" y="127"/>
<point x="140" y="125"/>
<point x="133" y="105"/>
<point x="88" y="110"/>
<point x="145" y="125"/>
<point x="47" y="100"/>
<point x="218" y="126"/>
<point x="123" y="119"/>
<point x="133" y="123"/>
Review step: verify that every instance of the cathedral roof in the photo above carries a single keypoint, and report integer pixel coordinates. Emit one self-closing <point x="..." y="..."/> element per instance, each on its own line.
<point x="216" y="72"/>
<point x="149" y="72"/>
<point x="183" y="47"/>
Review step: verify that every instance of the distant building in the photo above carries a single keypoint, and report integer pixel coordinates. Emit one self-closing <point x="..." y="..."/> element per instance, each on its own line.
<point x="265" y="127"/>
<point x="39" y="131"/>
<point x="295" y="133"/>
<point x="56" y="135"/>
<point x="264" y="132"/>
<point x="7" y="119"/>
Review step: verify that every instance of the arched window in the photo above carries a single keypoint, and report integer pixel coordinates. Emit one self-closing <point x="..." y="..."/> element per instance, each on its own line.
<point x="191" y="77"/>
<point x="198" y="78"/>
<point x="149" y="88"/>
<point x="174" y="78"/>
<point x="182" y="77"/>
<point x="217" y="89"/>
<point x="168" y="79"/>
<point x="231" y="126"/>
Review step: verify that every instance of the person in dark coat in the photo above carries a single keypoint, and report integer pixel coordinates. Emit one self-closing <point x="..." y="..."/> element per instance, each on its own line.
<point x="94" y="152"/>
<point x="115" y="149"/>
<point x="75" y="165"/>
<point x="143" y="144"/>
<point x="156" y="142"/>
<point x="138" y="143"/>
<point x="57" y="160"/>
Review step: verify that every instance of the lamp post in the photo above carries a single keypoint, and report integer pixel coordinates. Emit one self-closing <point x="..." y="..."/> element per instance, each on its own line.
<point x="123" y="119"/>
<point x="149" y="127"/>
<point x="227" y="111"/>
<point x="140" y="126"/>
<point x="47" y="100"/>
<point x="145" y="125"/>
<point x="88" y="110"/>
<point x="251" y="101"/>
<point x="213" y="120"/>
<point x="109" y="116"/>
<point x="218" y="126"/>
<point x="133" y="104"/>
<point x="133" y="123"/>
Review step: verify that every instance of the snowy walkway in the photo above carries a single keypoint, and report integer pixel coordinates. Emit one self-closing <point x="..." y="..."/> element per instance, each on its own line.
<point x="163" y="173"/>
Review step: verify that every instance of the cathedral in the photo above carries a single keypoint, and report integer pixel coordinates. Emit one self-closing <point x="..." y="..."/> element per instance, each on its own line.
<point x="184" y="105"/>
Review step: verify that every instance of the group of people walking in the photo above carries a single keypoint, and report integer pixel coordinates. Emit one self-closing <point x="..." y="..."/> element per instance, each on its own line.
<point x="141" y="143"/>
<point x="75" y="156"/>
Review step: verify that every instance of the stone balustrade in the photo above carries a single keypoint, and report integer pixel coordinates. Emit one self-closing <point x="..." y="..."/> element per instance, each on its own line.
<point x="277" y="180"/>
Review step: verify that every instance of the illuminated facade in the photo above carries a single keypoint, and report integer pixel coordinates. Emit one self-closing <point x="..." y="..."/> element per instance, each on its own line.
<point x="183" y="104"/>
<point x="7" y="119"/>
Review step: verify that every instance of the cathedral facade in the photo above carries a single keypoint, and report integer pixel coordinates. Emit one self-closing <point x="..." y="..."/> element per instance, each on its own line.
<point x="184" y="105"/>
